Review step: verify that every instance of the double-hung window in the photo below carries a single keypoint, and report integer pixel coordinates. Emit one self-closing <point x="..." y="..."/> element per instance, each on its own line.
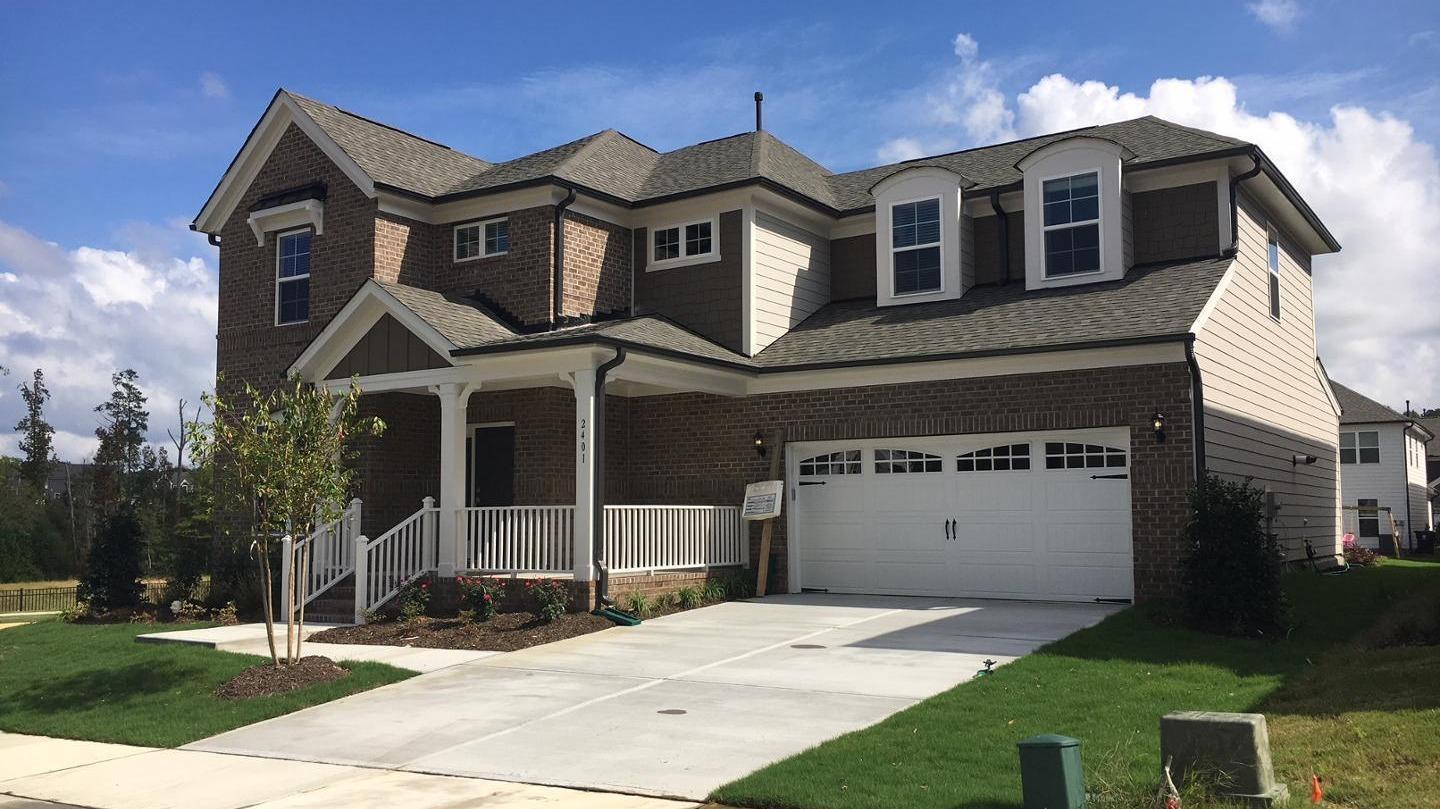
<point x="1072" y="225"/>
<point x="692" y="240"/>
<point x="292" y="277"/>
<point x="482" y="239"/>
<point x="1274" y="259"/>
<point x="915" y="246"/>
<point x="1360" y="447"/>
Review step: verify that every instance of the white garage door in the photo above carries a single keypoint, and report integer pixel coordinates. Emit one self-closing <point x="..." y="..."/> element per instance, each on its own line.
<point x="1035" y="515"/>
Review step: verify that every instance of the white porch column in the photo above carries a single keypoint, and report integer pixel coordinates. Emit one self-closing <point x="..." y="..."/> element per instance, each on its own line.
<point x="454" y="396"/>
<point x="584" y="381"/>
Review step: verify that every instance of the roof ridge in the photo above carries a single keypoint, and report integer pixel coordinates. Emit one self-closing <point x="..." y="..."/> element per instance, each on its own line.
<point x="590" y="144"/>
<point x="380" y="124"/>
<point x="1204" y="133"/>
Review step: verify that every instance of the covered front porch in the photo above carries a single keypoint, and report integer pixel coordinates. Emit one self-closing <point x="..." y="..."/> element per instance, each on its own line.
<point x="510" y="464"/>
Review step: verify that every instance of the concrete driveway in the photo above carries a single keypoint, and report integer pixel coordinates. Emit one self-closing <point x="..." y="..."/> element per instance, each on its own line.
<point x="676" y="706"/>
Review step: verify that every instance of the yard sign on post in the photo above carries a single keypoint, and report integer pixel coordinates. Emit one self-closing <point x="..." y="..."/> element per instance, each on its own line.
<point x="762" y="502"/>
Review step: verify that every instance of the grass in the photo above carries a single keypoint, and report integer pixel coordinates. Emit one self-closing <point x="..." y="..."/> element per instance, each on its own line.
<point x="95" y="682"/>
<point x="1364" y="720"/>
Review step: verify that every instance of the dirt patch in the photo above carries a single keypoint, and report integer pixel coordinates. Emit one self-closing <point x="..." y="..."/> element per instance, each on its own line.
<point x="266" y="679"/>
<point x="505" y="632"/>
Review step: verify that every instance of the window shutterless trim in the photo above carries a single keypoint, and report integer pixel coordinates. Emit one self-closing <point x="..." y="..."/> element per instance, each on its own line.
<point x="890" y="241"/>
<point x="279" y="240"/>
<point x="1098" y="221"/>
<point x="1273" y="255"/>
<point x="480" y="244"/>
<point x="683" y="258"/>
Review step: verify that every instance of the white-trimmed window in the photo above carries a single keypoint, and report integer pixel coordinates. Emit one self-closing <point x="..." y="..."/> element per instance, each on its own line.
<point x="1071" y="455"/>
<point x="683" y="242"/>
<point x="1273" y="256"/>
<point x="915" y="246"/>
<point x="844" y="462"/>
<point x="1004" y="458"/>
<point x="292" y="277"/>
<point x="906" y="460"/>
<point x="1072" y="225"/>
<point x="1362" y="446"/>
<point x="482" y="239"/>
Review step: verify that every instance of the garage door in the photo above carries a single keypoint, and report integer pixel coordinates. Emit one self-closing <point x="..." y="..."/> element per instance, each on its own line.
<point x="1036" y="515"/>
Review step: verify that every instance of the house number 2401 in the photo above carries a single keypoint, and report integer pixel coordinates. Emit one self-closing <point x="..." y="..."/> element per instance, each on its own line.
<point x="582" y="434"/>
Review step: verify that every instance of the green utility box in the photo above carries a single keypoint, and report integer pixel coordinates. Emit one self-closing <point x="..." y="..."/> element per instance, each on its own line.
<point x="1050" y="774"/>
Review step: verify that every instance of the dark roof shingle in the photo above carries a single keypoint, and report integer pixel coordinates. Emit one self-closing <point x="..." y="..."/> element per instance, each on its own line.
<point x="1358" y="408"/>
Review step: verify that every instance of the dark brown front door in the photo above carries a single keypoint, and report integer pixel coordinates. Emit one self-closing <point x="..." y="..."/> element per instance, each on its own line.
<point x="490" y="466"/>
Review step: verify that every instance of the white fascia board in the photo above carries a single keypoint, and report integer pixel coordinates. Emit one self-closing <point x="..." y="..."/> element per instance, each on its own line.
<point x="291" y="215"/>
<point x="353" y="322"/>
<point x="1325" y="386"/>
<point x="277" y="118"/>
<point x="1216" y="295"/>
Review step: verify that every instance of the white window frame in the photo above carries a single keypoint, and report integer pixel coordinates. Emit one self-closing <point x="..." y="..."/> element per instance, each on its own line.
<point x="1098" y="222"/>
<point x="1355" y="447"/>
<point x="279" y="239"/>
<point x="683" y="258"/>
<point x="1273" y="271"/>
<point x="481" y="225"/>
<point x="940" y="243"/>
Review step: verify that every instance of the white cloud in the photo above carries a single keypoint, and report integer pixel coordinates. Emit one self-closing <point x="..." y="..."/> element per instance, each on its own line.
<point x="1278" y="14"/>
<point x="83" y="314"/>
<point x="1373" y="181"/>
<point x="212" y="86"/>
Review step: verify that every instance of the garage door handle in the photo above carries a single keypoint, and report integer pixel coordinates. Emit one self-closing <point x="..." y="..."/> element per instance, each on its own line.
<point x="812" y="483"/>
<point x="1109" y="477"/>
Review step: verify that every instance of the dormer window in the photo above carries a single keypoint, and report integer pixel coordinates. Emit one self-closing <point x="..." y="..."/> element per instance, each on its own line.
<point x="482" y="239"/>
<point x="915" y="246"/>
<point x="1072" y="225"/>
<point x="684" y="243"/>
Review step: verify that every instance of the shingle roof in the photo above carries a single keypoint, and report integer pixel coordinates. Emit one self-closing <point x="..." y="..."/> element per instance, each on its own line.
<point x="1360" y="409"/>
<point x="1148" y="303"/>
<point x="611" y="163"/>
<point x="1152" y="303"/>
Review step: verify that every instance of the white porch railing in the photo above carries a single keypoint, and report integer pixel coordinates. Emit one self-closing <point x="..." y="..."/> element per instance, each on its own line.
<point x="673" y="537"/>
<point x="519" y="539"/>
<point x="385" y="564"/>
<point x="540" y="539"/>
<point x="329" y="553"/>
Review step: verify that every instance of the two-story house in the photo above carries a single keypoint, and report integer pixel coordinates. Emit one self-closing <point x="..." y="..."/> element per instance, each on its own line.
<point x="1382" y="472"/>
<point x="990" y="373"/>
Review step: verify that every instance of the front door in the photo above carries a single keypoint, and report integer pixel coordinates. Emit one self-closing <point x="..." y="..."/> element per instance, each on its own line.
<point x="490" y="466"/>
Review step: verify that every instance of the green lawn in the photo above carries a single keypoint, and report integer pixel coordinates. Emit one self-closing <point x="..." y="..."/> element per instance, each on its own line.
<point x="1364" y="719"/>
<point x="95" y="682"/>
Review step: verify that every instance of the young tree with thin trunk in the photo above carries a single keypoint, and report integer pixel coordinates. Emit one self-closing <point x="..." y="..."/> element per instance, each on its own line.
<point x="36" y="434"/>
<point x="284" y="459"/>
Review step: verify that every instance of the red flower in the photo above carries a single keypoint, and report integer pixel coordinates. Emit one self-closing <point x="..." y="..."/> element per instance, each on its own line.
<point x="487" y="596"/>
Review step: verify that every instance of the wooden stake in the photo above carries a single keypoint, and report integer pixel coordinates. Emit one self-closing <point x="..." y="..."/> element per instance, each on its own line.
<point x="777" y="445"/>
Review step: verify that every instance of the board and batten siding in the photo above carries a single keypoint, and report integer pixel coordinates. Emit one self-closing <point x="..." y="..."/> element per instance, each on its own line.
<point x="790" y="279"/>
<point x="1265" y="401"/>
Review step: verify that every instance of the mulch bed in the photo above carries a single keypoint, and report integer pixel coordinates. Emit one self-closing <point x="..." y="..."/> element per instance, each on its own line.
<point x="505" y="632"/>
<point x="266" y="679"/>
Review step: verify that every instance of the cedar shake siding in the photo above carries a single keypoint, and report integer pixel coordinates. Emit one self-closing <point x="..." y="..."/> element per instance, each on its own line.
<point x="705" y="298"/>
<point x="249" y="346"/>
<point x="852" y="268"/>
<point x="1175" y="223"/>
<point x="988" y="269"/>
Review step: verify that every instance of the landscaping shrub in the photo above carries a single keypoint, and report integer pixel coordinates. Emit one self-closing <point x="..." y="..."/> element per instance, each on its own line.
<point x="689" y="597"/>
<point x="413" y="599"/>
<point x="1231" y="576"/>
<point x="112" y="573"/>
<point x="739" y="585"/>
<point x="1359" y="555"/>
<point x="637" y="603"/>
<point x="481" y="595"/>
<point x="550" y="596"/>
<point x="714" y="590"/>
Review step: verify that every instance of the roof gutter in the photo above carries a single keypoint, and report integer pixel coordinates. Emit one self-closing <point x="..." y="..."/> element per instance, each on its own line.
<point x="1004" y="222"/>
<point x="1197" y="407"/>
<point x="597" y="501"/>
<point x="1235" y="183"/>
<point x="557" y="306"/>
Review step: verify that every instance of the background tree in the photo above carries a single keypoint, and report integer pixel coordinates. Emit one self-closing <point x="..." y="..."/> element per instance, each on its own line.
<point x="112" y="574"/>
<point x="36" y="434"/>
<point x="124" y="422"/>
<point x="285" y="457"/>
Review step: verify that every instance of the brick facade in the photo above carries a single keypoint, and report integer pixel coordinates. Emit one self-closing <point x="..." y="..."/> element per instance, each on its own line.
<point x="597" y="266"/>
<point x="709" y="298"/>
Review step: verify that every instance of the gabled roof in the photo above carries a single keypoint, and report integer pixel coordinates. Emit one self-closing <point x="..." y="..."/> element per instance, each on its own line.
<point x="1358" y="408"/>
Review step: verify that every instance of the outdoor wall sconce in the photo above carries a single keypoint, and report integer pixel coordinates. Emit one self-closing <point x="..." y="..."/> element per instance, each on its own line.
<point x="1301" y="459"/>
<point x="759" y="443"/>
<point x="1158" y="424"/>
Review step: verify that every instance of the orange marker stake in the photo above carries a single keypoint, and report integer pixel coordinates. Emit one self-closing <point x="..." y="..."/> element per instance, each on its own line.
<point x="1316" y="793"/>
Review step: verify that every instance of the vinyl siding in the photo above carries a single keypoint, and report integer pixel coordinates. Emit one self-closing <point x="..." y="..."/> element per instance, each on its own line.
<point x="1389" y="481"/>
<point x="791" y="278"/>
<point x="1264" y="401"/>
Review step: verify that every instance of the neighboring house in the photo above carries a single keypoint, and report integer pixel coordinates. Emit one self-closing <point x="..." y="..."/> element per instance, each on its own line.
<point x="65" y="476"/>
<point x="1432" y="465"/>
<point x="1382" y="466"/>
<point x="983" y="370"/>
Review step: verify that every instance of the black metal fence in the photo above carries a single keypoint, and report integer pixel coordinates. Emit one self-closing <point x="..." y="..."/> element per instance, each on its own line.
<point x="56" y="599"/>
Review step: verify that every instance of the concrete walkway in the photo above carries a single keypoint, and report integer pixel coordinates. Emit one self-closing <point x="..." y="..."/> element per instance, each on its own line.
<point x="250" y="639"/>
<point x="676" y="706"/>
<point x="67" y="773"/>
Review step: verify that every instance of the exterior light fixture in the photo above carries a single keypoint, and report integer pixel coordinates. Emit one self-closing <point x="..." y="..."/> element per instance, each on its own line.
<point x="1157" y="423"/>
<point x="1301" y="459"/>
<point x="759" y="443"/>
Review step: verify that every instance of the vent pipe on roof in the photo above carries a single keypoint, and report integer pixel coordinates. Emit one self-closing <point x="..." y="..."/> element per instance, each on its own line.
<point x="759" y="102"/>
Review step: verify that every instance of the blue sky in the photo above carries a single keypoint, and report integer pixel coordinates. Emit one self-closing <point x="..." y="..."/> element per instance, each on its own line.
<point x="116" y="121"/>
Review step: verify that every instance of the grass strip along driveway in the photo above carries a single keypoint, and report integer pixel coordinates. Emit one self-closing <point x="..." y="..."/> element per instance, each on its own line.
<point x="1362" y="718"/>
<point x="95" y="682"/>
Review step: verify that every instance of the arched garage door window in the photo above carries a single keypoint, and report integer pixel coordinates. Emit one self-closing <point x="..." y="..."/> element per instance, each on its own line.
<point x="1068" y="455"/>
<point x="845" y="462"/>
<point x="1004" y="458"/>
<point x="905" y="460"/>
